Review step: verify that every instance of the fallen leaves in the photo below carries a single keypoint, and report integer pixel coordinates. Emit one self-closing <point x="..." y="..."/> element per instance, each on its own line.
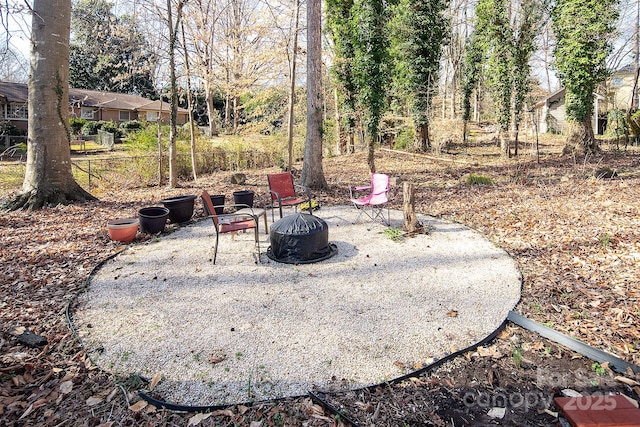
<point x="66" y="387"/>
<point x="138" y="406"/>
<point x="154" y="381"/>
<point x="577" y="244"/>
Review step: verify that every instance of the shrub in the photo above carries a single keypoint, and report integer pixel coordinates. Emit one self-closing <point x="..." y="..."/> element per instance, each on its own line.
<point x="404" y="139"/>
<point x="113" y="128"/>
<point x="76" y="125"/>
<point x="90" y="128"/>
<point x="616" y="123"/>
<point x="634" y="123"/>
<point x="473" y="179"/>
<point x="9" y="129"/>
<point x="131" y="125"/>
<point x="146" y="140"/>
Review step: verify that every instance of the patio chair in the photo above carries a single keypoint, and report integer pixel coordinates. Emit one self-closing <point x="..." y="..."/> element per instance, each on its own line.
<point x="231" y="222"/>
<point x="283" y="192"/>
<point x="373" y="204"/>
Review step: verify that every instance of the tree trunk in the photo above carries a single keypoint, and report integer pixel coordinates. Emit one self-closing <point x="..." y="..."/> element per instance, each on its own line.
<point x="48" y="178"/>
<point x="411" y="223"/>
<point x="227" y="113"/>
<point x="173" y="117"/>
<point x="211" y="109"/>
<point x="422" y="134"/>
<point x="580" y="138"/>
<point x="340" y="140"/>
<point x="236" y="108"/>
<point x="503" y="136"/>
<point x="160" y="163"/>
<point x="465" y="124"/>
<point x="192" y="127"/>
<point x="292" y="86"/>
<point x="312" y="173"/>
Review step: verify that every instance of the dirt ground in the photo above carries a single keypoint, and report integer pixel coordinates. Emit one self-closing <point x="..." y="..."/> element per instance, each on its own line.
<point x="574" y="235"/>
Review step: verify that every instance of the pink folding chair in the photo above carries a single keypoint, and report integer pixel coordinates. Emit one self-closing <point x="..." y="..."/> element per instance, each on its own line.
<point x="373" y="204"/>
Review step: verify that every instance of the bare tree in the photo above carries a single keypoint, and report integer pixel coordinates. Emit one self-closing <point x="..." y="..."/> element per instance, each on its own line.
<point x="292" y="82"/>
<point x="201" y="25"/>
<point x="289" y="36"/>
<point x="192" y="127"/>
<point x="312" y="173"/>
<point x="48" y="178"/>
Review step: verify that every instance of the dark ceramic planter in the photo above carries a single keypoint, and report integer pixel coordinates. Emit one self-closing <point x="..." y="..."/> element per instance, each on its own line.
<point x="180" y="208"/>
<point x="243" y="197"/>
<point x="153" y="219"/>
<point x="218" y="200"/>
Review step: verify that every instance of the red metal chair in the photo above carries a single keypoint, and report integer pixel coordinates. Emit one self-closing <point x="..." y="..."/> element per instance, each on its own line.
<point x="232" y="222"/>
<point x="283" y="192"/>
<point x="373" y="203"/>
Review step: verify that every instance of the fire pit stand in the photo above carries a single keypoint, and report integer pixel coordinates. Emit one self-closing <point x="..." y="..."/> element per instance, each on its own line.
<point x="301" y="238"/>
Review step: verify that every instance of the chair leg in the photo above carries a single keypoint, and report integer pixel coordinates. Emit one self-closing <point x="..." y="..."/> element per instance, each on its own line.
<point x="257" y="237"/>
<point x="361" y="210"/>
<point x="215" y="248"/>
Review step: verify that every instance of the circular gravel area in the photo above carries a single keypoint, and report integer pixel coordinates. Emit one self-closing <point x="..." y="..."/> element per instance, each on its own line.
<point x="242" y="331"/>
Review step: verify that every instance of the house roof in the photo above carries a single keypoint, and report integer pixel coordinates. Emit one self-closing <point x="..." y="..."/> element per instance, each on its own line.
<point x="555" y="95"/>
<point x="14" y="92"/>
<point x="627" y="69"/>
<point x="18" y="93"/>
<point x="559" y="94"/>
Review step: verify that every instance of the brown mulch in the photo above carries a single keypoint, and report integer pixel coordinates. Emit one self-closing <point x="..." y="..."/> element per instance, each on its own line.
<point x="576" y="239"/>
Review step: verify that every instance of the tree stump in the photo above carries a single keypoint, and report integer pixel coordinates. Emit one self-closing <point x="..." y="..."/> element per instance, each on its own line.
<point x="411" y="224"/>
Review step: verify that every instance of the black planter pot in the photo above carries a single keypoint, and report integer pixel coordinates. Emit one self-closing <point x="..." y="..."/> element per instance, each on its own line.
<point x="153" y="219"/>
<point x="180" y="208"/>
<point x="218" y="200"/>
<point x="243" y="197"/>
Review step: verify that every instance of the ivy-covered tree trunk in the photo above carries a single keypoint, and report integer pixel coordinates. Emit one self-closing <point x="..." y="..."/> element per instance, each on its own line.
<point x="583" y="31"/>
<point x="340" y="27"/>
<point x="505" y="31"/>
<point x="48" y="179"/>
<point x="419" y="30"/>
<point x="370" y="62"/>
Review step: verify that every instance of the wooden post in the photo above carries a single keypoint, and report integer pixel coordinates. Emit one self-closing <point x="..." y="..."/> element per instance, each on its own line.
<point x="408" y="208"/>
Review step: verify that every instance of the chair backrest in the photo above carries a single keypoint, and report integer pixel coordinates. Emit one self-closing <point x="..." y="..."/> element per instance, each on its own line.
<point x="379" y="188"/>
<point x="208" y="206"/>
<point x="281" y="183"/>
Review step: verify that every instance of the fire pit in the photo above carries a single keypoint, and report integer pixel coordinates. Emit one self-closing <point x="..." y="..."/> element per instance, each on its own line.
<point x="301" y="238"/>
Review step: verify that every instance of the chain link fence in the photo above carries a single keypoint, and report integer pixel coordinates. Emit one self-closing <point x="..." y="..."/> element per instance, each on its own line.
<point x="123" y="172"/>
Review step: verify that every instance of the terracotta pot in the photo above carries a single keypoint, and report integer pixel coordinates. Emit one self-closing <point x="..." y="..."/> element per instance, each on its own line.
<point x="180" y="207"/>
<point x="123" y="230"/>
<point x="153" y="219"/>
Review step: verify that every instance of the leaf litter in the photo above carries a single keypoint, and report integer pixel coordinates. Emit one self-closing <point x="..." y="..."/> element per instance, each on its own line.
<point x="575" y="238"/>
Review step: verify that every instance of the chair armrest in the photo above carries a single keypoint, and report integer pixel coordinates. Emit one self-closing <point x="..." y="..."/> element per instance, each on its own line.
<point x="360" y="188"/>
<point x="230" y="218"/>
<point x="278" y="198"/>
<point x="306" y="191"/>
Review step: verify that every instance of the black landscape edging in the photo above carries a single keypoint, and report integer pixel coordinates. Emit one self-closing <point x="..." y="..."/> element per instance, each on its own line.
<point x="619" y="365"/>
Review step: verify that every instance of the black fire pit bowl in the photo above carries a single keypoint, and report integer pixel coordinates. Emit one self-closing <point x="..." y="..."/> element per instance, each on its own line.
<point x="301" y="238"/>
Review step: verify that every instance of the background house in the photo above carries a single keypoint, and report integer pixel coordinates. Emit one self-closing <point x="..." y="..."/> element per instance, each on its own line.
<point x="550" y="113"/>
<point x="86" y="104"/>
<point x="613" y="94"/>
